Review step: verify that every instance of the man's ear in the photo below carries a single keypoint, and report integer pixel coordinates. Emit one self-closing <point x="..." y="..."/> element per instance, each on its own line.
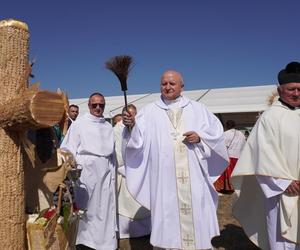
<point x="279" y="89"/>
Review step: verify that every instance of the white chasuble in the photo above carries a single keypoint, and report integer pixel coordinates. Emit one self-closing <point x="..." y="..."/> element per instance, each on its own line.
<point x="175" y="179"/>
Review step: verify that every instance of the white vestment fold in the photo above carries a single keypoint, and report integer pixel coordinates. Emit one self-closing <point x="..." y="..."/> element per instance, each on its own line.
<point x="133" y="219"/>
<point x="235" y="141"/>
<point x="162" y="172"/>
<point x="90" y="139"/>
<point x="272" y="150"/>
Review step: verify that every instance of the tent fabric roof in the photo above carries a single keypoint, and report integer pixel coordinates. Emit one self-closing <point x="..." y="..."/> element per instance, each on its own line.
<point x="222" y="100"/>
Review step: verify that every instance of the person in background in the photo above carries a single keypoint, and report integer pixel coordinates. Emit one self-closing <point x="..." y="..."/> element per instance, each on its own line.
<point x="246" y="134"/>
<point x="73" y="112"/>
<point x="134" y="220"/>
<point x="175" y="149"/>
<point x="234" y="140"/>
<point x="268" y="170"/>
<point x="91" y="141"/>
<point x="116" y="119"/>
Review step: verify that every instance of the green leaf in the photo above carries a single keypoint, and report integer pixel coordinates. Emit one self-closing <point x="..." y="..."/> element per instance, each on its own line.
<point x="66" y="213"/>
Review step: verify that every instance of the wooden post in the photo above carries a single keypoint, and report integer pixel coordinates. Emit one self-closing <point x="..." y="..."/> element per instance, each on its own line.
<point x="17" y="115"/>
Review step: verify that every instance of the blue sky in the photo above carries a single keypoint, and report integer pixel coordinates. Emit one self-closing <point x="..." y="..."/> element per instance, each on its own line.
<point x="212" y="43"/>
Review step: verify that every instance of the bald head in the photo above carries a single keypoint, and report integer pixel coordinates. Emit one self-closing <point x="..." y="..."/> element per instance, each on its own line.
<point x="171" y="84"/>
<point x="172" y="74"/>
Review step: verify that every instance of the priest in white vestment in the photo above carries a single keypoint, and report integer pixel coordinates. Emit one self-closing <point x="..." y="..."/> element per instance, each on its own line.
<point x="90" y="139"/>
<point x="133" y="219"/>
<point x="267" y="173"/>
<point x="174" y="153"/>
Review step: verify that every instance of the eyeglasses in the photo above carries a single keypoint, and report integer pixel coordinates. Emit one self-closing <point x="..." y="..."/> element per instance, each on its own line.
<point x="95" y="105"/>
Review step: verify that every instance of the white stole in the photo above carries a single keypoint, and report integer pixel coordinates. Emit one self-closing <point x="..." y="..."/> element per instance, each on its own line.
<point x="182" y="180"/>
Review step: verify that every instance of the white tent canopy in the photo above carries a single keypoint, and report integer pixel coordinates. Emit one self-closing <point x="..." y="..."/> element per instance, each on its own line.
<point x="223" y="100"/>
<point x="236" y="101"/>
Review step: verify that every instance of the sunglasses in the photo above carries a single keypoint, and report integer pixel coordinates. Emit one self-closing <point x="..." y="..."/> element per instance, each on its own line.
<point x="95" y="105"/>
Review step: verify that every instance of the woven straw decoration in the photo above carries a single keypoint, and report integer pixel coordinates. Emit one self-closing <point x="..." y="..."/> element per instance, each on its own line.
<point x="14" y="40"/>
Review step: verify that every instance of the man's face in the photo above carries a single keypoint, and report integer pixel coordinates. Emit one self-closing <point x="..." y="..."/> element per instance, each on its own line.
<point x="73" y="113"/>
<point x="132" y="111"/>
<point x="97" y="105"/>
<point x="290" y="93"/>
<point x="171" y="85"/>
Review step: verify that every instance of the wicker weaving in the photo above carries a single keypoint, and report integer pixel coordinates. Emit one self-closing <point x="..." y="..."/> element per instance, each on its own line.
<point x="15" y="119"/>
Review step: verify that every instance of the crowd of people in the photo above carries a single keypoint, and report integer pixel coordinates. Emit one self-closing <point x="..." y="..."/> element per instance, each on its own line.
<point x="158" y="171"/>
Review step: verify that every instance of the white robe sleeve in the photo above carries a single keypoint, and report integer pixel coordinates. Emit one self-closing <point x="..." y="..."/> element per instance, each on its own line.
<point x="205" y="151"/>
<point x="136" y="162"/>
<point x="71" y="141"/>
<point x="212" y="147"/>
<point x="271" y="186"/>
<point x="118" y="131"/>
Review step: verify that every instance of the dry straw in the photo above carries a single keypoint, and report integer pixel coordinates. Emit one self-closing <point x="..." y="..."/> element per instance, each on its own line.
<point x="14" y="40"/>
<point x="21" y="108"/>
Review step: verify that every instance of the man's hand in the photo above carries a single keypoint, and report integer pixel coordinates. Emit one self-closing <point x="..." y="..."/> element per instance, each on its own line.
<point x="128" y="119"/>
<point x="293" y="189"/>
<point x="191" y="137"/>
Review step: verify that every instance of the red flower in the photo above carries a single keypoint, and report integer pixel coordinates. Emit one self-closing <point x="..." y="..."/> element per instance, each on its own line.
<point x="75" y="208"/>
<point x="49" y="214"/>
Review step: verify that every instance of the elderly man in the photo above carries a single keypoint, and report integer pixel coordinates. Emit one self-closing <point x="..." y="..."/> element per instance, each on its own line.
<point x="268" y="170"/>
<point x="175" y="149"/>
<point x="90" y="139"/>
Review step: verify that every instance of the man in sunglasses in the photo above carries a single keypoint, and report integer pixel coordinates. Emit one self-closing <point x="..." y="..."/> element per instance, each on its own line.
<point x="90" y="139"/>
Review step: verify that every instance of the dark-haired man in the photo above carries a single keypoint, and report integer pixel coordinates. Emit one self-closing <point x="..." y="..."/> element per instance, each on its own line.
<point x="90" y="139"/>
<point x="268" y="170"/>
<point x="73" y="112"/>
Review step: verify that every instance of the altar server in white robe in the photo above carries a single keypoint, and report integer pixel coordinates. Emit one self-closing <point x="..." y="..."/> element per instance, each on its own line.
<point x="90" y="139"/>
<point x="267" y="173"/>
<point x="133" y="219"/>
<point x="175" y="151"/>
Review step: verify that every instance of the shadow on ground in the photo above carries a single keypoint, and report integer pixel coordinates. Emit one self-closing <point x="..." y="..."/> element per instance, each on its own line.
<point x="232" y="237"/>
<point x="141" y="243"/>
